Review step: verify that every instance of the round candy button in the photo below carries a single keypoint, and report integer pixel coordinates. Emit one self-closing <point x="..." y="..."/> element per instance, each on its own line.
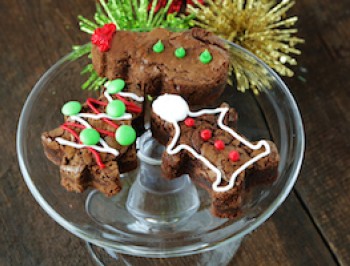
<point x="115" y="86"/>
<point x="115" y="108"/>
<point x="89" y="136"/>
<point x="125" y="135"/>
<point x="71" y="108"/>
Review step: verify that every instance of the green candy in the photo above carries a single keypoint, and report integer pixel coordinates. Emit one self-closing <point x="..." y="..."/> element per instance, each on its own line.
<point x="115" y="108"/>
<point x="115" y="86"/>
<point x="125" y="135"/>
<point x="158" y="47"/>
<point x="206" y="57"/>
<point x="71" y="108"/>
<point x="89" y="136"/>
<point x="180" y="52"/>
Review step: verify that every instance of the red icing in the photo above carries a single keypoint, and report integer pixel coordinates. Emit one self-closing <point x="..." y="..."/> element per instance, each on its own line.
<point x="102" y="37"/>
<point x="189" y="122"/>
<point x="102" y="131"/>
<point x="234" y="156"/>
<point x="90" y="102"/>
<point x="95" y="153"/>
<point x="130" y="106"/>
<point x="219" y="145"/>
<point x="206" y="134"/>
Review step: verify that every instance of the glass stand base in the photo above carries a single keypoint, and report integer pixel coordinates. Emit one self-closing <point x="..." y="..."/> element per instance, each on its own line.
<point x="220" y="256"/>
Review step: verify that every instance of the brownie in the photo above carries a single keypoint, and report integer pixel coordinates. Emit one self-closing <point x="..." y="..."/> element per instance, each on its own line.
<point x="204" y="135"/>
<point x="132" y="58"/>
<point x="79" y="168"/>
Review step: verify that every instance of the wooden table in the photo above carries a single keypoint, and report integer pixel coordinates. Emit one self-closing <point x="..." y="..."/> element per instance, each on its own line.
<point x="311" y="228"/>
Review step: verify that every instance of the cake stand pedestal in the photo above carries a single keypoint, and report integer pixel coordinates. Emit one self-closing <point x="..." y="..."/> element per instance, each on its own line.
<point x="152" y="220"/>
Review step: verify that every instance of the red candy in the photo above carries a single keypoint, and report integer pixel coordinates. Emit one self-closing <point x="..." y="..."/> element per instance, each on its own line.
<point x="189" y="122"/>
<point x="102" y="37"/>
<point x="206" y="134"/>
<point x="219" y="145"/>
<point x="234" y="156"/>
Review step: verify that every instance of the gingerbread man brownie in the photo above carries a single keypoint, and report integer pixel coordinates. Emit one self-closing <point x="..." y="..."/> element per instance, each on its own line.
<point x="193" y="64"/>
<point x="96" y="142"/>
<point x="215" y="157"/>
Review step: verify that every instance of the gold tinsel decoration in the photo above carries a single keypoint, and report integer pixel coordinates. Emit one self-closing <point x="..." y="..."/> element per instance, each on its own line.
<point x="260" y="26"/>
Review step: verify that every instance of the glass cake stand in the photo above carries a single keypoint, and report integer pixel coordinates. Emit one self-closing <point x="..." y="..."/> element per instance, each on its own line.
<point x="152" y="219"/>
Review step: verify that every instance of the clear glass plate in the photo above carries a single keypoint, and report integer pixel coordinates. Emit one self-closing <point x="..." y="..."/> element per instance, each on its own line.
<point x="106" y="222"/>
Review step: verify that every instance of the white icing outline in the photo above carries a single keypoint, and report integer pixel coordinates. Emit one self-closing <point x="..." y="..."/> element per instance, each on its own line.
<point x="222" y="111"/>
<point x="125" y="94"/>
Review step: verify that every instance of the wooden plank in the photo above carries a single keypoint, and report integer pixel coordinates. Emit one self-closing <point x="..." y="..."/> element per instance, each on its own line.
<point x="323" y="95"/>
<point x="29" y="236"/>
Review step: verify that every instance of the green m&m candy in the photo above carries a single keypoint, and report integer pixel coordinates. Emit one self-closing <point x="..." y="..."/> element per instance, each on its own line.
<point x="125" y="135"/>
<point x="115" y="86"/>
<point x="180" y="52"/>
<point x="89" y="136"/>
<point x="115" y="108"/>
<point x="205" y="57"/>
<point x="158" y="47"/>
<point x="71" y="108"/>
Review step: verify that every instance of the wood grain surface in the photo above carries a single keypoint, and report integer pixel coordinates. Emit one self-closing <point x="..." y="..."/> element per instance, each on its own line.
<point x="310" y="228"/>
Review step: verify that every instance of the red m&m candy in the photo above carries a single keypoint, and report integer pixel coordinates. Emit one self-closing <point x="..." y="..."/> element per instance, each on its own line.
<point x="219" y="145"/>
<point x="234" y="156"/>
<point x="206" y="134"/>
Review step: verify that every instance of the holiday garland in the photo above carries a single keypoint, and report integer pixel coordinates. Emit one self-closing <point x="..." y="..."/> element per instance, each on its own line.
<point x="260" y="26"/>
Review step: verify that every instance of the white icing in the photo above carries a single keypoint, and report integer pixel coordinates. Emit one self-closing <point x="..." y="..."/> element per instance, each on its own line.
<point x="124" y="94"/>
<point x="171" y="108"/>
<point x="163" y="106"/>
<point x="126" y="116"/>
<point x="132" y="96"/>
<point x="106" y="148"/>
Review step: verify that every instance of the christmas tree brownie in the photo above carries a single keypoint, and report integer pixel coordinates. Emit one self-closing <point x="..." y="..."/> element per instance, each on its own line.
<point x="96" y="142"/>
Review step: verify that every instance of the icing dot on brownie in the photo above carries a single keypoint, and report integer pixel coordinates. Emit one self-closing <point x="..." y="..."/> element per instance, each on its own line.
<point x="189" y="122"/>
<point x="205" y="57"/>
<point x="89" y="136"/>
<point x="180" y="52"/>
<point x="171" y="108"/>
<point x="158" y="47"/>
<point x="206" y="134"/>
<point x="234" y="156"/>
<point x="219" y="145"/>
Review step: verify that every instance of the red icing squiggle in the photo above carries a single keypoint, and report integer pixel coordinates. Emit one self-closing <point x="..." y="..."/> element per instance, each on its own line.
<point x="95" y="153"/>
<point x="102" y="131"/>
<point x="90" y="102"/>
<point x="130" y="106"/>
